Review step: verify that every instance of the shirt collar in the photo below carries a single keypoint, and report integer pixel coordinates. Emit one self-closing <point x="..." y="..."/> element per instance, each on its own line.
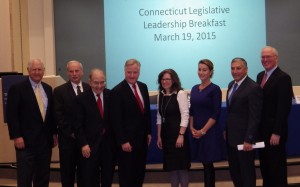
<point x="271" y="71"/>
<point x="241" y="81"/>
<point x="75" y="85"/>
<point x="34" y="84"/>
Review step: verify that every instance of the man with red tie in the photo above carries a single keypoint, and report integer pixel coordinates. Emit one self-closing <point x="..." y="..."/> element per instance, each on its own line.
<point x="131" y="122"/>
<point x="93" y="132"/>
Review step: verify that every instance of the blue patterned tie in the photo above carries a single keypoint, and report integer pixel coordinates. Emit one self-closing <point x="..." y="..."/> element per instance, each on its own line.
<point x="233" y="91"/>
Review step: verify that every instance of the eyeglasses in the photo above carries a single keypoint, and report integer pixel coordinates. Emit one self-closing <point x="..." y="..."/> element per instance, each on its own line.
<point x="167" y="79"/>
<point x="99" y="83"/>
<point x="267" y="57"/>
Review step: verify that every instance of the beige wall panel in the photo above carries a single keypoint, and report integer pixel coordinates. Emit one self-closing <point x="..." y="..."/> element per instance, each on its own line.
<point x="5" y="37"/>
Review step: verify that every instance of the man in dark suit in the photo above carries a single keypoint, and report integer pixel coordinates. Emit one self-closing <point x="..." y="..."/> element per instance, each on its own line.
<point x="131" y="121"/>
<point x="277" y="93"/>
<point x="30" y="124"/>
<point x="244" y="106"/>
<point x="63" y="100"/>
<point x="94" y="134"/>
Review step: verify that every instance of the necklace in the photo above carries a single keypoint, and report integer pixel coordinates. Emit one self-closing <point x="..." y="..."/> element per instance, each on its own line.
<point x="163" y="111"/>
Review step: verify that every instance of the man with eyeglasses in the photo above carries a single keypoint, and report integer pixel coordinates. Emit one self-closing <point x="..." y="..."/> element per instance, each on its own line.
<point x="277" y="94"/>
<point x="93" y="132"/>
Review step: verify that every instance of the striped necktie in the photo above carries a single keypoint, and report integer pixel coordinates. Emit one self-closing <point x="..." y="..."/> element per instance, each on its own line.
<point x="233" y="91"/>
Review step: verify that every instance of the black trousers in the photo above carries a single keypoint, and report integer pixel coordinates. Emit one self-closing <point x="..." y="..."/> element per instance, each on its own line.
<point x="132" y="167"/>
<point x="273" y="165"/>
<point x="68" y="157"/>
<point x="242" y="167"/>
<point x="33" y="165"/>
<point x="98" y="168"/>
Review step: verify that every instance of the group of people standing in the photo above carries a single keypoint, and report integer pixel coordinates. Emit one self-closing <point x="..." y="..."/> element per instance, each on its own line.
<point x="256" y="111"/>
<point x="97" y="128"/>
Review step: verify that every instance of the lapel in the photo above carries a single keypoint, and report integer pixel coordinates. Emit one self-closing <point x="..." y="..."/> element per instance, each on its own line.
<point x="105" y="101"/>
<point x="240" y="88"/>
<point x="70" y="90"/>
<point x="49" y="97"/>
<point x="31" y="96"/>
<point x="131" y="93"/>
<point x="227" y="95"/>
<point x="272" y="78"/>
<point x="85" y="86"/>
<point x="142" y="91"/>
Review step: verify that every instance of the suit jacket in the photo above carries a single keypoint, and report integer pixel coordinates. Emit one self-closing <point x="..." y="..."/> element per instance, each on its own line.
<point x="277" y="93"/>
<point x="24" y="117"/>
<point x="64" y="96"/>
<point x="129" y="123"/>
<point x="89" y="125"/>
<point x="244" y="113"/>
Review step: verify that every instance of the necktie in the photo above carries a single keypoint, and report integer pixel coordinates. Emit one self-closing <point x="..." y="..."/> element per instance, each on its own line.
<point x="138" y="98"/>
<point x="264" y="80"/>
<point x="99" y="102"/>
<point x="78" y="90"/>
<point x="232" y="92"/>
<point x="39" y="100"/>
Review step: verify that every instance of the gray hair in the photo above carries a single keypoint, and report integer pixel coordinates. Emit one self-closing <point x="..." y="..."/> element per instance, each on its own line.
<point x="29" y="66"/>
<point x="132" y="61"/>
<point x="75" y="61"/>
<point x="239" y="59"/>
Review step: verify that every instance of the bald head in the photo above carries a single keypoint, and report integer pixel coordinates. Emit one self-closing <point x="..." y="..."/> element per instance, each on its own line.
<point x="269" y="57"/>
<point x="97" y="80"/>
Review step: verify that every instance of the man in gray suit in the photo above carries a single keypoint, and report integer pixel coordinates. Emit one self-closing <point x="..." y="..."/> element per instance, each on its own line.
<point x="244" y="106"/>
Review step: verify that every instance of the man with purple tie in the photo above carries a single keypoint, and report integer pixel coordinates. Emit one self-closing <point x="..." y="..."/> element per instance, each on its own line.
<point x="244" y="105"/>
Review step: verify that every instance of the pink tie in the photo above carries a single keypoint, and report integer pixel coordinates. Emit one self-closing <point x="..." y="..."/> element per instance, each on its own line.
<point x="138" y="98"/>
<point x="99" y="102"/>
<point x="264" y="80"/>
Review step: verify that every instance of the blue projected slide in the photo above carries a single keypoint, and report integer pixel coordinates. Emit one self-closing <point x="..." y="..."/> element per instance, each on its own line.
<point x="178" y="33"/>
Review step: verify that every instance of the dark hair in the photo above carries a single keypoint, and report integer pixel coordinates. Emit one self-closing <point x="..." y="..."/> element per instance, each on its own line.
<point x="176" y="86"/>
<point x="240" y="60"/>
<point x="209" y="64"/>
